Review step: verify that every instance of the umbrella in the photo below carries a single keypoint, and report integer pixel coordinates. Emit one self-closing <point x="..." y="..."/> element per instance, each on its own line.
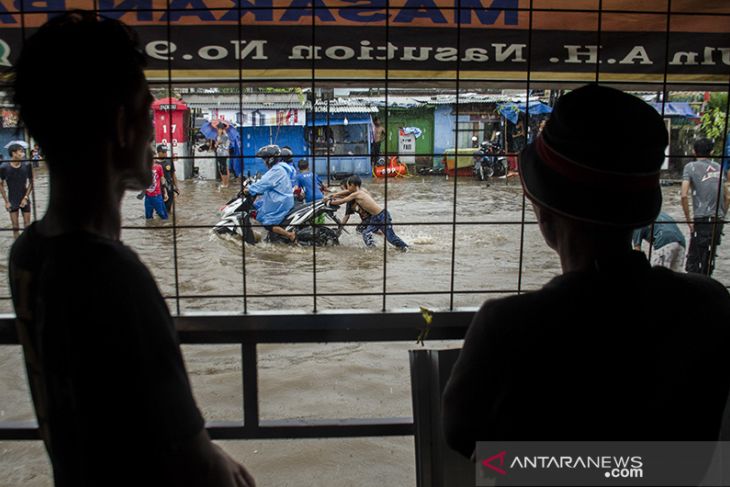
<point x="510" y="111"/>
<point x="210" y="130"/>
<point x="22" y="143"/>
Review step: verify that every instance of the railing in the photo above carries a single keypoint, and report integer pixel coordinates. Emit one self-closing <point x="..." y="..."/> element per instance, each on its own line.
<point x="252" y="329"/>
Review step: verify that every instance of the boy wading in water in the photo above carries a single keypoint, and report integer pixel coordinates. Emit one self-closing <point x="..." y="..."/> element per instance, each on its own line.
<point x="17" y="175"/>
<point x="380" y="219"/>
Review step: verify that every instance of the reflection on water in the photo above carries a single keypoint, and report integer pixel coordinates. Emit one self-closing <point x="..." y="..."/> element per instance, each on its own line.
<point x="479" y="239"/>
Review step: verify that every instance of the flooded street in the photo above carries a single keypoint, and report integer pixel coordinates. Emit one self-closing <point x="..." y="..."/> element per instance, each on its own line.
<point x="493" y="255"/>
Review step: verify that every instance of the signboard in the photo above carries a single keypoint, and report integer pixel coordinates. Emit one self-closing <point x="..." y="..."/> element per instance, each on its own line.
<point x="646" y="41"/>
<point x="406" y="148"/>
<point x="262" y="118"/>
<point x="169" y="127"/>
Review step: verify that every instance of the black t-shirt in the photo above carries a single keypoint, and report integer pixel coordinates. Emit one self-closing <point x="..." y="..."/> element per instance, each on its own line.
<point x="168" y="169"/>
<point x="109" y="386"/>
<point x="16" y="179"/>
<point x="627" y="353"/>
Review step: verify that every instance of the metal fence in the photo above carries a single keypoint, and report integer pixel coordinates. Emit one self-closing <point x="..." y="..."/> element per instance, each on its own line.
<point x="252" y="330"/>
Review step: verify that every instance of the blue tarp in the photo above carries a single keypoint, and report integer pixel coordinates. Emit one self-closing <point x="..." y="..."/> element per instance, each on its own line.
<point x="675" y="109"/>
<point x="510" y="111"/>
<point x="320" y="118"/>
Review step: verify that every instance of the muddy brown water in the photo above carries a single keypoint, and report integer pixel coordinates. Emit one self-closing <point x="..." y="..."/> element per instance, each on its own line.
<point x="493" y="255"/>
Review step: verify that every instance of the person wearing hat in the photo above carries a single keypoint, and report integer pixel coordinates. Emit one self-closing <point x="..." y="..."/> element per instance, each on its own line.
<point x="170" y="180"/>
<point x="17" y="174"/>
<point x="599" y="352"/>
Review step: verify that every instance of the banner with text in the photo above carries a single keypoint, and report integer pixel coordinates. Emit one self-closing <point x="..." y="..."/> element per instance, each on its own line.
<point x="560" y="41"/>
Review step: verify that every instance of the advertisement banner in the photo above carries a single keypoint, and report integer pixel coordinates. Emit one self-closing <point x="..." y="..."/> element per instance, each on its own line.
<point x="257" y="117"/>
<point x="559" y="41"/>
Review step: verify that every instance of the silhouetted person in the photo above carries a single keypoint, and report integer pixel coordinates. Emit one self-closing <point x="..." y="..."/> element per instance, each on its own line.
<point x="109" y="386"/>
<point x="701" y="178"/>
<point x="613" y="349"/>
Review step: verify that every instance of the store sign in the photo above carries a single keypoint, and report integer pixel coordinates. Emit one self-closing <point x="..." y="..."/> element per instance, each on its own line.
<point x="169" y="127"/>
<point x="290" y="40"/>
<point x="407" y="148"/>
<point x="261" y="117"/>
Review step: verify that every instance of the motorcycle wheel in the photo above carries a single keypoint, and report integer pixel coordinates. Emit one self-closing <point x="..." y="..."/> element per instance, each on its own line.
<point x="500" y="169"/>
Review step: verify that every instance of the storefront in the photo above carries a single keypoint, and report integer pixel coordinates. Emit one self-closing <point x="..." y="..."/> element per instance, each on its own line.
<point x="262" y="119"/>
<point x="410" y="134"/>
<point x="338" y="136"/>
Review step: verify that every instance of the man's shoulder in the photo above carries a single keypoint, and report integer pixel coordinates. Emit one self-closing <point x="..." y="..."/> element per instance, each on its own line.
<point x="503" y="314"/>
<point x="80" y="255"/>
<point x="705" y="288"/>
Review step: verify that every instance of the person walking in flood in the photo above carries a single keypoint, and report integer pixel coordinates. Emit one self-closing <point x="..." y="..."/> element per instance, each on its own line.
<point x="170" y="180"/>
<point x="222" y="153"/>
<point x="17" y="175"/>
<point x="156" y="195"/>
<point x="707" y="183"/>
<point x="111" y="394"/>
<point x="380" y="219"/>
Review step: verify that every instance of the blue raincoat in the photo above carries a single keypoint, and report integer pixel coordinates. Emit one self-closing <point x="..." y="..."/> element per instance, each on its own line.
<point x="276" y="190"/>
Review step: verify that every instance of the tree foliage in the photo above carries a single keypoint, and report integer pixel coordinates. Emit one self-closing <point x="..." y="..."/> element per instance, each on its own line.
<point x="713" y="124"/>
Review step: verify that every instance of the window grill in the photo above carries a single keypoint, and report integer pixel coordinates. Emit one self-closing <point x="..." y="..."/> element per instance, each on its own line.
<point x="168" y="30"/>
<point x="196" y="45"/>
<point x="233" y="40"/>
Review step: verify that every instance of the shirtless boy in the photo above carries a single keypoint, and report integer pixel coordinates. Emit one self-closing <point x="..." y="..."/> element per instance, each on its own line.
<point x="379" y="219"/>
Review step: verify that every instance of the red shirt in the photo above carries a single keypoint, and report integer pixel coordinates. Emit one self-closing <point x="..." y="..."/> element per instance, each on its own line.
<point x="157" y="175"/>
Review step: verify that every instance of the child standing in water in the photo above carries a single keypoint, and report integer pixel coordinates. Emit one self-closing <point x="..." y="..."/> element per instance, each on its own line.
<point x="380" y="219"/>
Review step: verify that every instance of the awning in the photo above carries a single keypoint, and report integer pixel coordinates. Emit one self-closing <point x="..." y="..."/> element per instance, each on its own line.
<point x="675" y="109"/>
<point x="510" y="110"/>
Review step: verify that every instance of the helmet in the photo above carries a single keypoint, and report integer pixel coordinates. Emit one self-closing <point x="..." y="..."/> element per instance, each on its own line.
<point x="286" y="155"/>
<point x="271" y="154"/>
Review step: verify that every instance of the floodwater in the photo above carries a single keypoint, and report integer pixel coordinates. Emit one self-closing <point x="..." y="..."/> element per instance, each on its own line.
<point x="489" y="250"/>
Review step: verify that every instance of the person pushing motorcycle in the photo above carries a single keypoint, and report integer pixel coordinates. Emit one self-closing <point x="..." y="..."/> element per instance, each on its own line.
<point x="275" y="189"/>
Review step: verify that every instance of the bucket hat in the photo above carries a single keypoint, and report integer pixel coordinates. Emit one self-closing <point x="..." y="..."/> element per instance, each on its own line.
<point x="598" y="159"/>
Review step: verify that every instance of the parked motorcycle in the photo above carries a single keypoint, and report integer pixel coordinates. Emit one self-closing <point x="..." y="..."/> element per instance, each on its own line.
<point x="236" y="218"/>
<point x="489" y="161"/>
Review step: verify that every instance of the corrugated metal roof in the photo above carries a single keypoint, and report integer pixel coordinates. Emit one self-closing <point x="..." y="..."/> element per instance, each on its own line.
<point x="276" y="102"/>
<point x="345" y="105"/>
<point x="359" y="104"/>
<point x="271" y="101"/>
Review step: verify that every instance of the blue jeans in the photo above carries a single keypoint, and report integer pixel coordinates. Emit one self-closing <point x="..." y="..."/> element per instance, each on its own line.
<point x="382" y="222"/>
<point x="155" y="203"/>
